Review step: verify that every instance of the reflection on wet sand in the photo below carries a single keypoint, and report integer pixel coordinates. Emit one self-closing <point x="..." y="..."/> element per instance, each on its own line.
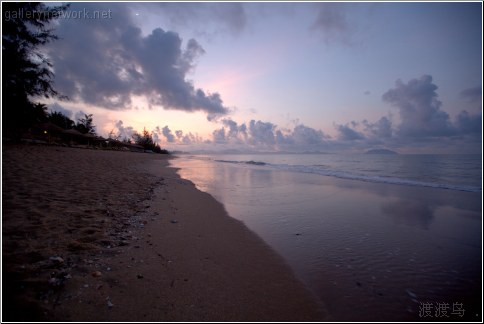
<point x="411" y="213"/>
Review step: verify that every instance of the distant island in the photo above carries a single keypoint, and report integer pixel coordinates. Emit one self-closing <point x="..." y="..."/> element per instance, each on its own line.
<point x="381" y="151"/>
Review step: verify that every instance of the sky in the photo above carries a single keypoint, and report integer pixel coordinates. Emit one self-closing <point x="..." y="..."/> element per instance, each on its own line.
<point x="287" y="77"/>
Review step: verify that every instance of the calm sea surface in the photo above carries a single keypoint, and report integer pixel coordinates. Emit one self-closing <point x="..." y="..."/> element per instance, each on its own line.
<point x="375" y="237"/>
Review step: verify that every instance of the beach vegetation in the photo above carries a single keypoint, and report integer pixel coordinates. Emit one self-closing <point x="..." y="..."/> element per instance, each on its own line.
<point x="61" y="120"/>
<point x="28" y="73"/>
<point x="145" y="139"/>
<point x="85" y="125"/>
<point x="113" y="136"/>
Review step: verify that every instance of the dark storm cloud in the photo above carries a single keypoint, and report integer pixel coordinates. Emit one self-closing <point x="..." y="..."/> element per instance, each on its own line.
<point x="105" y="62"/>
<point x="419" y="108"/>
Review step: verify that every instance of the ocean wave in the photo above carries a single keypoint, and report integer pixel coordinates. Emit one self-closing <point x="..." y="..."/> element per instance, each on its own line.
<point x="242" y="162"/>
<point x="377" y="179"/>
<point x="324" y="171"/>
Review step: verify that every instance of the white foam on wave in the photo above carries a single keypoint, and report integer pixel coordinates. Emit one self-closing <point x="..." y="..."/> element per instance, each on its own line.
<point x="377" y="179"/>
<point x="321" y="170"/>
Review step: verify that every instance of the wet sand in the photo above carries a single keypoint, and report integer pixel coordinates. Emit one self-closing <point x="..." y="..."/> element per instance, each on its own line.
<point x="92" y="235"/>
<point x="369" y="251"/>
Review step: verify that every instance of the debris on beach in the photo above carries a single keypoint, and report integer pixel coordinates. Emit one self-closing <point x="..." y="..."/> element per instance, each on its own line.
<point x="57" y="259"/>
<point x="123" y="242"/>
<point x="174" y="221"/>
<point x="96" y="274"/>
<point x="110" y="304"/>
<point x="58" y="279"/>
<point x="140" y="276"/>
<point x="54" y="282"/>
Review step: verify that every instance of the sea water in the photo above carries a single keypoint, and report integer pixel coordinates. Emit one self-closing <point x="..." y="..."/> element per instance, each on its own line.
<point x="375" y="237"/>
<point x="458" y="172"/>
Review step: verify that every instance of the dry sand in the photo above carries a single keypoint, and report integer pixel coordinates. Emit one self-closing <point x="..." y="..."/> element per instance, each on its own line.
<point x="92" y="235"/>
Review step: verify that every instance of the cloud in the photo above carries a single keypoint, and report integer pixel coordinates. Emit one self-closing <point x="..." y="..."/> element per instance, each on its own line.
<point x="346" y="133"/>
<point x="233" y="127"/>
<point x="381" y="129"/>
<point x="423" y="122"/>
<point x="218" y="136"/>
<point x="419" y="108"/>
<point x="235" y="131"/>
<point x="469" y="124"/>
<point x="106" y="63"/>
<point x="190" y="139"/>
<point x="170" y="138"/>
<point x="331" y="18"/>
<point x="307" y="136"/>
<point x="262" y="133"/>
<point x="204" y="18"/>
<point x="472" y="94"/>
<point x="332" y="22"/>
<point x="122" y="131"/>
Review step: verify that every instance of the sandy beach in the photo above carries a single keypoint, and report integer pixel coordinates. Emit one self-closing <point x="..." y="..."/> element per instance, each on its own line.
<point x="90" y="235"/>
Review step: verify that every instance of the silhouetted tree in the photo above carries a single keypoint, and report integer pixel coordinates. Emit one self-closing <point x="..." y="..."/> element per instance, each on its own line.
<point x="146" y="140"/>
<point x="39" y="113"/>
<point x="112" y="135"/>
<point x="61" y="120"/>
<point x="26" y="71"/>
<point x="85" y="126"/>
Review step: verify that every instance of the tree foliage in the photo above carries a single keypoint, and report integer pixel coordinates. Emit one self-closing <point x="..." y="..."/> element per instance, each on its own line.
<point x="85" y="125"/>
<point x="26" y="71"/>
<point x="59" y="119"/>
<point x="145" y="139"/>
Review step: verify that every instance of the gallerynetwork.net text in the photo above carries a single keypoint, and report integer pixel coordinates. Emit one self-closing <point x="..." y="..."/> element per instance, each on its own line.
<point x="61" y="14"/>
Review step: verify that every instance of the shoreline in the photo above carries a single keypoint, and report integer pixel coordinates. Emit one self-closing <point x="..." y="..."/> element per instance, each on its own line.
<point x="173" y="254"/>
<point x="358" y="245"/>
